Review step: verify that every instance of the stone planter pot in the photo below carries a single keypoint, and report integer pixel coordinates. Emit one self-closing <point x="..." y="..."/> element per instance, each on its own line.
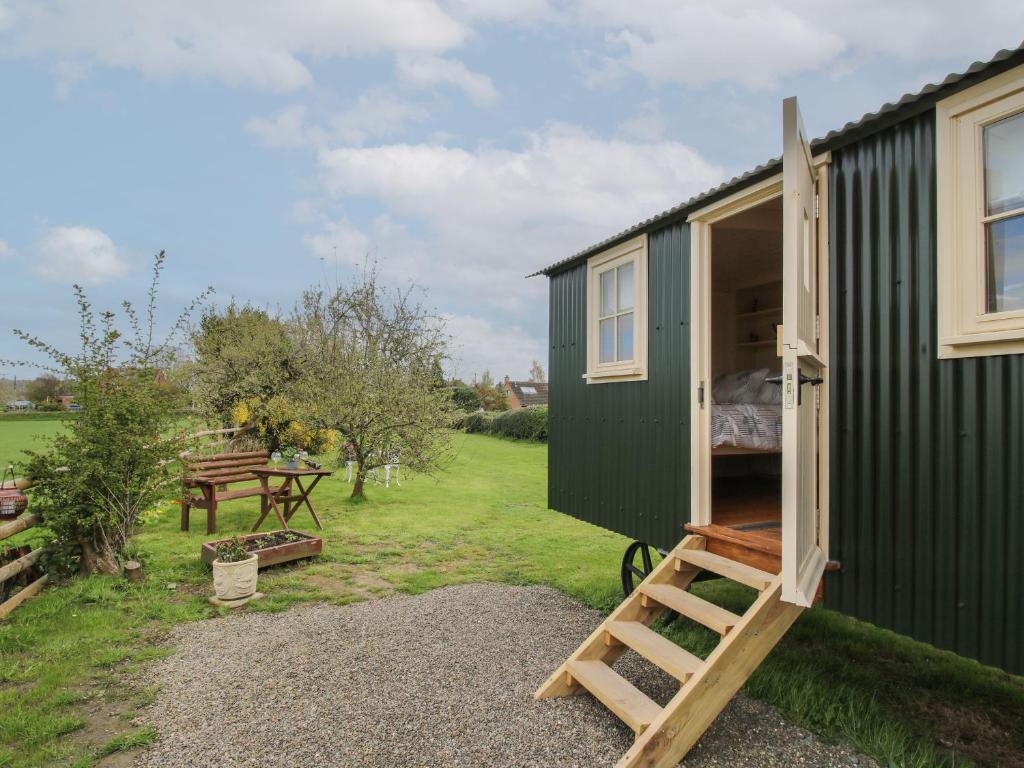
<point x="235" y="583"/>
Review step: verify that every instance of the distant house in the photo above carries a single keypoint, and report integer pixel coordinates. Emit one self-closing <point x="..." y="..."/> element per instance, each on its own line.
<point x="19" y="405"/>
<point x="65" y="401"/>
<point x="522" y="394"/>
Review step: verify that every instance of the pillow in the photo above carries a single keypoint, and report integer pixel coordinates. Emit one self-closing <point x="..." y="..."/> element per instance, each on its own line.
<point x="739" y="387"/>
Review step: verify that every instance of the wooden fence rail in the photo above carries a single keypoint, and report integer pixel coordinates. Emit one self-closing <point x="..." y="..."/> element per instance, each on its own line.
<point x="10" y="570"/>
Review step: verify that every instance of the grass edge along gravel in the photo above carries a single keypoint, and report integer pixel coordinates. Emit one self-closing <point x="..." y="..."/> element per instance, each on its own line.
<point x="71" y="650"/>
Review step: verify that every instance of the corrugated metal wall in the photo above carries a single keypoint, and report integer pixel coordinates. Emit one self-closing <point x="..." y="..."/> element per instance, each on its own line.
<point x="927" y="462"/>
<point x="619" y="454"/>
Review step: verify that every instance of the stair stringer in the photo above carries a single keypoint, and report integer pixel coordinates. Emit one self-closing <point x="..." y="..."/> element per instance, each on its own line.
<point x="691" y="711"/>
<point x="594" y="648"/>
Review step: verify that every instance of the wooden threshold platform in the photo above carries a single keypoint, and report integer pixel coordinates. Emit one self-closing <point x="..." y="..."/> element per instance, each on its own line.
<point x="758" y="548"/>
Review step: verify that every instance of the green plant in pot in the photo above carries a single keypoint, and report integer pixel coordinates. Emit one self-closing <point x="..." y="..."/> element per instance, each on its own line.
<point x="235" y="571"/>
<point x="291" y="455"/>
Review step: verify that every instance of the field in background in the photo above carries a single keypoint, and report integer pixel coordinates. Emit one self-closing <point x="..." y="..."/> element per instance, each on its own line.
<point x="65" y="656"/>
<point x="18" y="434"/>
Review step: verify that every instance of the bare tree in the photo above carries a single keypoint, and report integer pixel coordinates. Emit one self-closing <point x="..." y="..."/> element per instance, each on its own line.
<point x="366" y="358"/>
<point x="537" y="372"/>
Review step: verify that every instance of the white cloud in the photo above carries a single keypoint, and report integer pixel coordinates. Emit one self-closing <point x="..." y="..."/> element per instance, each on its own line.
<point x="376" y="113"/>
<point x="758" y="43"/>
<point x="260" y="43"/>
<point x="6" y="251"/>
<point x="480" y="344"/>
<point x="78" y="255"/>
<point x="702" y="43"/>
<point x="429" y="71"/>
<point x="286" y="129"/>
<point x="520" y="12"/>
<point x="482" y="219"/>
<point x="340" y="241"/>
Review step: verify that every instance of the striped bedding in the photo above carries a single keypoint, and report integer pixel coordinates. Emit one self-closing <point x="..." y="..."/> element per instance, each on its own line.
<point x="743" y="425"/>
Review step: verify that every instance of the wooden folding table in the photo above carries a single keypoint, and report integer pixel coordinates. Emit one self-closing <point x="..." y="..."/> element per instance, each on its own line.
<point x="284" y="495"/>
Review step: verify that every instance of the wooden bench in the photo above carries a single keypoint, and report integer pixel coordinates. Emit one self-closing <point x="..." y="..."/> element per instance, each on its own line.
<point x="211" y="476"/>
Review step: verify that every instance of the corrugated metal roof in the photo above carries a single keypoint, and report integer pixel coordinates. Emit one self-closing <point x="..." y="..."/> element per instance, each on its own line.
<point x="889" y="113"/>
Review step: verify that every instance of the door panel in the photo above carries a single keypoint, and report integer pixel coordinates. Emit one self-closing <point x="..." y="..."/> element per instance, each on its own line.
<point x="803" y="559"/>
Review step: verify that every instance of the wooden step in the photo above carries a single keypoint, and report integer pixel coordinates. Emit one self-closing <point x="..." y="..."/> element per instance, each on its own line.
<point x="630" y="704"/>
<point x="691" y="606"/>
<point x="659" y="650"/>
<point x="723" y="566"/>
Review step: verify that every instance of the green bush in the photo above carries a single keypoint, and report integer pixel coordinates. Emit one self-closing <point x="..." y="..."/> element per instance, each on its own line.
<point x="523" y="423"/>
<point x="520" y="424"/>
<point x="109" y="466"/>
<point x="476" y="422"/>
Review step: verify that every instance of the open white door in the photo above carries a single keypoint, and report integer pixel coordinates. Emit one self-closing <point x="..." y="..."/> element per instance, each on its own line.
<point x="803" y="557"/>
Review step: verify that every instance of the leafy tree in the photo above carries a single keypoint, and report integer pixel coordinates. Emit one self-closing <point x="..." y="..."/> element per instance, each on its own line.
<point x="44" y="389"/>
<point x="537" y="373"/>
<point x="110" y="465"/>
<point x="365" y="358"/>
<point x="241" y="352"/>
<point x="493" y="398"/>
<point x="465" y="398"/>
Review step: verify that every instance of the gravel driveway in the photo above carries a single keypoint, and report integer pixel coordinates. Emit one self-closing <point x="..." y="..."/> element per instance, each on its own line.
<point x="441" y="679"/>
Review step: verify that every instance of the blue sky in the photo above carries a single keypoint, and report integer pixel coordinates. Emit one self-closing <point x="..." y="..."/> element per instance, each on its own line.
<point x="461" y="144"/>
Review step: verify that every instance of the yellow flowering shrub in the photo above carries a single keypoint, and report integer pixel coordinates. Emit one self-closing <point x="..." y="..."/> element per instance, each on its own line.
<point x="276" y="425"/>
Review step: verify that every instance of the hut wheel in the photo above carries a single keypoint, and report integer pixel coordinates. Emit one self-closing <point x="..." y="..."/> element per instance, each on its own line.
<point x="633" y="573"/>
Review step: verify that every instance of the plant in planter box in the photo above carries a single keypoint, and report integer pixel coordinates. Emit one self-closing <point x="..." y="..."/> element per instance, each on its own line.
<point x="235" y="571"/>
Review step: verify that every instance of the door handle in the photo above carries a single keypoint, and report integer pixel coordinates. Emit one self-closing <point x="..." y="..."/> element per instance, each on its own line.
<point x="803" y="379"/>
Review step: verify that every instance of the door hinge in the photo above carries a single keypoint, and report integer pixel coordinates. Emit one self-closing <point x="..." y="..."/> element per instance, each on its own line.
<point x="817" y="205"/>
<point x="817" y="327"/>
<point x="700" y="394"/>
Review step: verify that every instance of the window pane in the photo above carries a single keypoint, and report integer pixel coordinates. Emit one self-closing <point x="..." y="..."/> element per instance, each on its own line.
<point x="608" y="293"/>
<point x="626" y="286"/>
<point x="626" y="337"/>
<point x="607" y="343"/>
<point x="1005" y="257"/>
<point x="1004" y="165"/>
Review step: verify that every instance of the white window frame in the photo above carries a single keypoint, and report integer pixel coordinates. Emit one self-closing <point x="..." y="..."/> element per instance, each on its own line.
<point x="966" y="328"/>
<point x="635" y="251"/>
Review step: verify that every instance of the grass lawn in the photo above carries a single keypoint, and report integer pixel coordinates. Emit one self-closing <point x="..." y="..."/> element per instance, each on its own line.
<point x="64" y="655"/>
<point x="18" y="434"/>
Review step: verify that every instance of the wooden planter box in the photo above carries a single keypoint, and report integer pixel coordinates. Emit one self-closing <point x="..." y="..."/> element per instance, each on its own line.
<point x="308" y="546"/>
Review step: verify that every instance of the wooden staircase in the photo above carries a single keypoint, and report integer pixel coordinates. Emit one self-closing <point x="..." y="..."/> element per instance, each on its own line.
<point x="665" y="734"/>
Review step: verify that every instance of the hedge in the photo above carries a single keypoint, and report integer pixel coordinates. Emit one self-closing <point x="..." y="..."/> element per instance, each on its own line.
<point x="36" y="415"/>
<point x="520" y="424"/>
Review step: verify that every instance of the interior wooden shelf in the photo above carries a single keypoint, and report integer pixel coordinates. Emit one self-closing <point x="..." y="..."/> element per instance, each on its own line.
<point x="761" y="343"/>
<point x="761" y="312"/>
